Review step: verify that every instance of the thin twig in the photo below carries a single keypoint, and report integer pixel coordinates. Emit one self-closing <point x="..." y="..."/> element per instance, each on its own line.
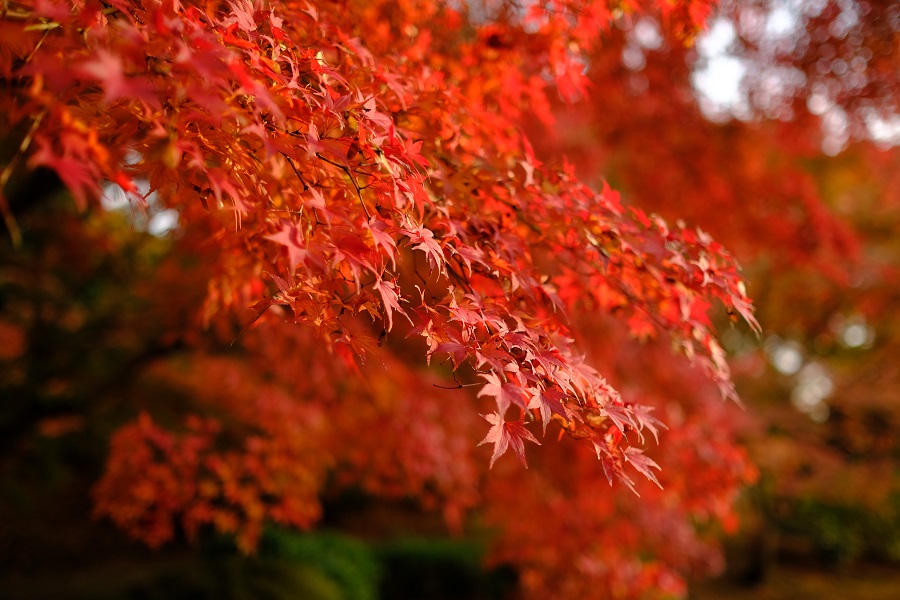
<point x="296" y="171"/>
<point x="349" y="173"/>
<point x="9" y="219"/>
<point x="36" y="47"/>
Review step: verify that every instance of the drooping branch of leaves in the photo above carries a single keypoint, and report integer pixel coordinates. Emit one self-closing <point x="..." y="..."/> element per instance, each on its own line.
<point x="331" y="149"/>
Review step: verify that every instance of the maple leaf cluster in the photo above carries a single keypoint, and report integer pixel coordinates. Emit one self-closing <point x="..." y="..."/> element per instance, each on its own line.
<point x="301" y="145"/>
<point x="358" y="169"/>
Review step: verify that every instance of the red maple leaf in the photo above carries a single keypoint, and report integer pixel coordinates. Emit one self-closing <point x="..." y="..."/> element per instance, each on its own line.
<point x="459" y="351"/>
<point x="391" y="301"/>
<point x="550" y="402"/>
<point x="289" y="236"/>
<point x="109" y="71"/>
<point x="506" y="434"/>
<point x="643" y="464"/>
<point x="425" y="242"/>
<point x="504" y="393"/>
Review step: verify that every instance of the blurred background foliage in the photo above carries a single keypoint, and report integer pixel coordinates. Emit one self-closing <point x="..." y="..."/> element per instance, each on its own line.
<point x="88" y="307"/>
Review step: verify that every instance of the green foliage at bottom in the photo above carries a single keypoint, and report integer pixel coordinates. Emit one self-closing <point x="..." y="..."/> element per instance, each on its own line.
<point x="440" y="569"/>
<point x="347" y="563"/>
<point x="843" y="534"/>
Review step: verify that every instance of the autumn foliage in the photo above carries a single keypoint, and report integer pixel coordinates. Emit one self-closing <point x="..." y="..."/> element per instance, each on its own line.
<point x="365" y="232"/>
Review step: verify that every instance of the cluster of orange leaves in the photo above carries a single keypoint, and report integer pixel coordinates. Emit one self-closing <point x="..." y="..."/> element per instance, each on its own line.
<point x="158" y="479"/>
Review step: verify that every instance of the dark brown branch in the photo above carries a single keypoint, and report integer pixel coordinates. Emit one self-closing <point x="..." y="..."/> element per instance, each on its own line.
<point x="349" y="173"/>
